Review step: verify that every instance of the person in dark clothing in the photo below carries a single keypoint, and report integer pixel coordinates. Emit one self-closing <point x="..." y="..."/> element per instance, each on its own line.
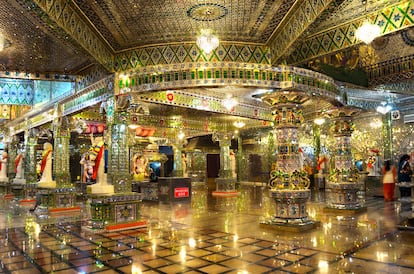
<point x="404" y="175"/>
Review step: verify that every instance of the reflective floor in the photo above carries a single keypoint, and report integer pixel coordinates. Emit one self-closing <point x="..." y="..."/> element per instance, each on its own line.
<point x="211" y="235"/>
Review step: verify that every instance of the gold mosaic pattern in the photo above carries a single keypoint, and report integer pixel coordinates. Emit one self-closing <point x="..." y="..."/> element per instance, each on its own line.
<point x="294" y="24"/>
<point x="66" y="16"/>
<point x="172" y="21"/>
<point x="184" y="53"/>
<point x="390" y="19"/>
<point x="37" y="45"/>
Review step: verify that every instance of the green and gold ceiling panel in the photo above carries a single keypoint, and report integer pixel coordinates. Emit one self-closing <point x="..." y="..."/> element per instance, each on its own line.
<point x="299" y="18"/>
<point x="390" y="19"/>
<point x="184" y="53"/>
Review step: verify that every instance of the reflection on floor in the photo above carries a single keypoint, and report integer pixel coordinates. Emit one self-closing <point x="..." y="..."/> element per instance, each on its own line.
<point x="211" y="235"/>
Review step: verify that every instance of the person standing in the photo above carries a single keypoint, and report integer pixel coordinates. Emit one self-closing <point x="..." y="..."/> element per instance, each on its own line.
<point x="404" y="175"/>
<point x="389" y="173"/>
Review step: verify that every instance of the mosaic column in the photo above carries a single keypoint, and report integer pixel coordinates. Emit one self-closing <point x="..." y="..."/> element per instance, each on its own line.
<point x="30" y="159"/>
<point x="118" y="169"/>
<point x="101" y="154"/>
<point x="387" y="136"/>
<point x="61" y="133"/>
<point x="114" y="206"/>
<point x="288" y="182"/>
<point x="344" y="182"/>
<point x="12" y="150"/>
<point x="5" y="163"/>
<point x="178" y="160"/>
<point x="226" y="183"/>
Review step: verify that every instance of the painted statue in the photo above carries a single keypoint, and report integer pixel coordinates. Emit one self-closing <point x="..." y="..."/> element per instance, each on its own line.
<point x="97" y="155"/>
<point x="233" y="164"/>
<point x="373" y="163"/>
<point x="139" y="167"/>
<point x="88" y="165"/>
<point x="3" y="167"/>
<point x="19" y="169"/>
<point x="184" y="164"/>
<point x="46" y="180"/>
<point x="18" y="166"/>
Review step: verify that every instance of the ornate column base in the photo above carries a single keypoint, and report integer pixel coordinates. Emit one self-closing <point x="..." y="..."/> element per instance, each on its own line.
<point x="56" y="201"/>
<point x="343" y="197"/>
<point x="291" y="212"/>
<point x="116" y="212"/>
<point x="225" y="187"/>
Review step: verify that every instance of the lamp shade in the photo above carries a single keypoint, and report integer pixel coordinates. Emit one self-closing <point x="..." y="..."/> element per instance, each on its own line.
<point x="207" y="41"/>
<point x="367" y="32"/>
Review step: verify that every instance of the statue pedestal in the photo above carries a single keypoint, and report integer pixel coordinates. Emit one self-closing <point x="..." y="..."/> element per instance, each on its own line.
<point x="43" y="184"/>
<point x="100" y="189"/>
<point x="18" y="187"/>
<point x="343" y="197"/>
<point x="148" y="190"/>
<point x="290" y="213"/>
<point x="225" y="187"/>
<point x="19" y="181"/>
<point x="101" y="186"/>
<point x="116" y="212"/>
<point x="57" y="200"/>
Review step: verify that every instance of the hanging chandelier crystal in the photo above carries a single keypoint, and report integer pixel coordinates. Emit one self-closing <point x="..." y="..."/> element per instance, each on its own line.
<point x="367" y="32"/>
<point x="207" y="41"/>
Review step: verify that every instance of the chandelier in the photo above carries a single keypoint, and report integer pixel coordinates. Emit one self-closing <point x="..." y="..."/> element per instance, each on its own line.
<point x="384" y="108"/>
<point x="367" y="32"/>
<point x="229" y="103"/>
<point x="207" y="41"/>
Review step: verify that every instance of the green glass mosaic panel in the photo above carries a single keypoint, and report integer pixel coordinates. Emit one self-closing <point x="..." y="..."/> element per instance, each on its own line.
<point x="390" y="19"/>
<point x="190" y="53"/>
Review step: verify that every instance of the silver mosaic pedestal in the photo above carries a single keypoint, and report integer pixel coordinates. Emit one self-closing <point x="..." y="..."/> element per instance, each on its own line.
<point x="290" y="211"/>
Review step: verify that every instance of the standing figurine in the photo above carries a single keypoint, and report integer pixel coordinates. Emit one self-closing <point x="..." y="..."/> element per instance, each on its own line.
<point x="46" y="180"/>
<point x="19" y="169"/>
<point x="140" y="167"/>
<point x="98" y="155"/>
<point x="3" y="167"/>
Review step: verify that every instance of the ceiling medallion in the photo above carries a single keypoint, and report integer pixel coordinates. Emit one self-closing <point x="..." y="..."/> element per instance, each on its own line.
<point x="207" y="12"/>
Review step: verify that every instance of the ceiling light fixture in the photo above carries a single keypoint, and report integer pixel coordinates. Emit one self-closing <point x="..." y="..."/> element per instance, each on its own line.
<point x="384" y="108"/>
<point x="368" y="31"/>
<point x="229" y="103"/>
<point x="239" y="124"/>
<point x="207" y="41"/>
<point x="319" y="121"/>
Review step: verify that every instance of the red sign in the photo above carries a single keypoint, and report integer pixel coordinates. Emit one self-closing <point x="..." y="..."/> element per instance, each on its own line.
<point x="181" y="192"/>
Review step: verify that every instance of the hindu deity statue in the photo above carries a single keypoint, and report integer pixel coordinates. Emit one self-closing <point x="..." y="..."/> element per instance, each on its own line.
<point x="46" y="180"/>
<point x="19" y="169"/>
<point x="97" y="155"/>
